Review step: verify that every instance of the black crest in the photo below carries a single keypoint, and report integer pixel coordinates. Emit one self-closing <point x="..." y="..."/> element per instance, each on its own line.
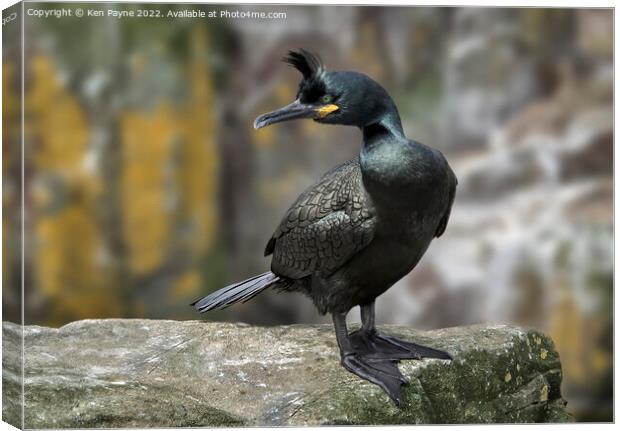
<point x="309" y="64"/>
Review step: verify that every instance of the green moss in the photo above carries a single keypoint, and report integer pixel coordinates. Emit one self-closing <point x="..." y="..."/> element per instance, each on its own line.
<point x="360" y="404"/>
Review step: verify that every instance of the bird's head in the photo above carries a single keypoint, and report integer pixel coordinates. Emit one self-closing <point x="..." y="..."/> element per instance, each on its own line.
<point x="347" y="98"/>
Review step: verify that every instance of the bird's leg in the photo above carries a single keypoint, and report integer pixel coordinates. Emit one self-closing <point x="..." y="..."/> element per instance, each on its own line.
<point x="386" y="346"/>
<point x="380" y="371"/>
<point x="367" y="312"/>
<point x="342" y="334"/>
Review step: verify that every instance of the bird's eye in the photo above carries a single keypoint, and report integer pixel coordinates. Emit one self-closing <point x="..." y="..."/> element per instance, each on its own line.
<point x="327" y="98"/>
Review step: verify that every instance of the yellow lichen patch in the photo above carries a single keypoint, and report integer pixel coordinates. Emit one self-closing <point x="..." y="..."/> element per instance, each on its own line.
<point x="66" y="247"/>
<point x="68" y="240"/>
<point x="507" y="377"/>
<point x="57" y="121"/>
<point x="197" y="173"/>
<point x="543" y="353"/>
<point x="147" y="140"/>
<point x="168" y="180"/>
<point x="185" y="286"/>
<point x="544" y="393"/>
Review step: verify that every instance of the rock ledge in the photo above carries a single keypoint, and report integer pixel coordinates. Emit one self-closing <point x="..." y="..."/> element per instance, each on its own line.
<point x="157" y="373"/>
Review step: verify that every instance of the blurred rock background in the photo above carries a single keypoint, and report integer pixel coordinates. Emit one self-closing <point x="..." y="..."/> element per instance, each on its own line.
<point x="146" y="186"/>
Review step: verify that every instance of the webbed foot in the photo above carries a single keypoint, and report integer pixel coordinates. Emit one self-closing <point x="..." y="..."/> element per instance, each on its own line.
<point x="374" y="357"/>
<point x="376" y="345"/>
<point x="381" y="372"/>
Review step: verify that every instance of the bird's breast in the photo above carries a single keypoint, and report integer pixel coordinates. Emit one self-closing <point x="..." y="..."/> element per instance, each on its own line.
<point x="410" y="179"/>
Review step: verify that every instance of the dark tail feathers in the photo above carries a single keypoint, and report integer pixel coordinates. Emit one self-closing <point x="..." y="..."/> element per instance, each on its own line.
<point x="242" y="291"/>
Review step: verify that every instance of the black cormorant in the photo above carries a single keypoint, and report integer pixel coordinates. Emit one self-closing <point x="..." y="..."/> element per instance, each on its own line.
<point x="363" y="226"/>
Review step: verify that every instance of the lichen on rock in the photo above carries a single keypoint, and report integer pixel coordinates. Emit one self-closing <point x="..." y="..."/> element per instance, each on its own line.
<point x="157" y="373"/>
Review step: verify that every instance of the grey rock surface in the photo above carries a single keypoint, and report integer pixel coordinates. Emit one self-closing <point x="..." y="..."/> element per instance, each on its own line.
<point x="158" y="373"/>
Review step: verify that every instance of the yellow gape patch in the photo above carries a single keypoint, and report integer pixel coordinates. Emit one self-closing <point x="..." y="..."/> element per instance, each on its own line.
<point x="327" y="109"/>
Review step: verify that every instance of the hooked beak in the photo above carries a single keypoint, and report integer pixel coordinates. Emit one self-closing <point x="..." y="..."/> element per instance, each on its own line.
<point x="294" y="111"/>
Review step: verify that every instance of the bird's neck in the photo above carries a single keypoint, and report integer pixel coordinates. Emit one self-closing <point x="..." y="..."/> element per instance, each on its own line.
<point x="387" y="159"/>
<point x="388" y="127"/>
<point x="386" y="130"/>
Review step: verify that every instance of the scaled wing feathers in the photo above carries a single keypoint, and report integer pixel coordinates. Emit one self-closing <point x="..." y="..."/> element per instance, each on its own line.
<point x="325" y="227"/>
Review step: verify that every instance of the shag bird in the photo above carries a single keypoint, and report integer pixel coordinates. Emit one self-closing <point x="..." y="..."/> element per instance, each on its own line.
<point x="364" y="225"/>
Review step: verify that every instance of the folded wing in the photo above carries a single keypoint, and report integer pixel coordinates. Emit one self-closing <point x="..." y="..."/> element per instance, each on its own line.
<point x="326" y="226"/>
